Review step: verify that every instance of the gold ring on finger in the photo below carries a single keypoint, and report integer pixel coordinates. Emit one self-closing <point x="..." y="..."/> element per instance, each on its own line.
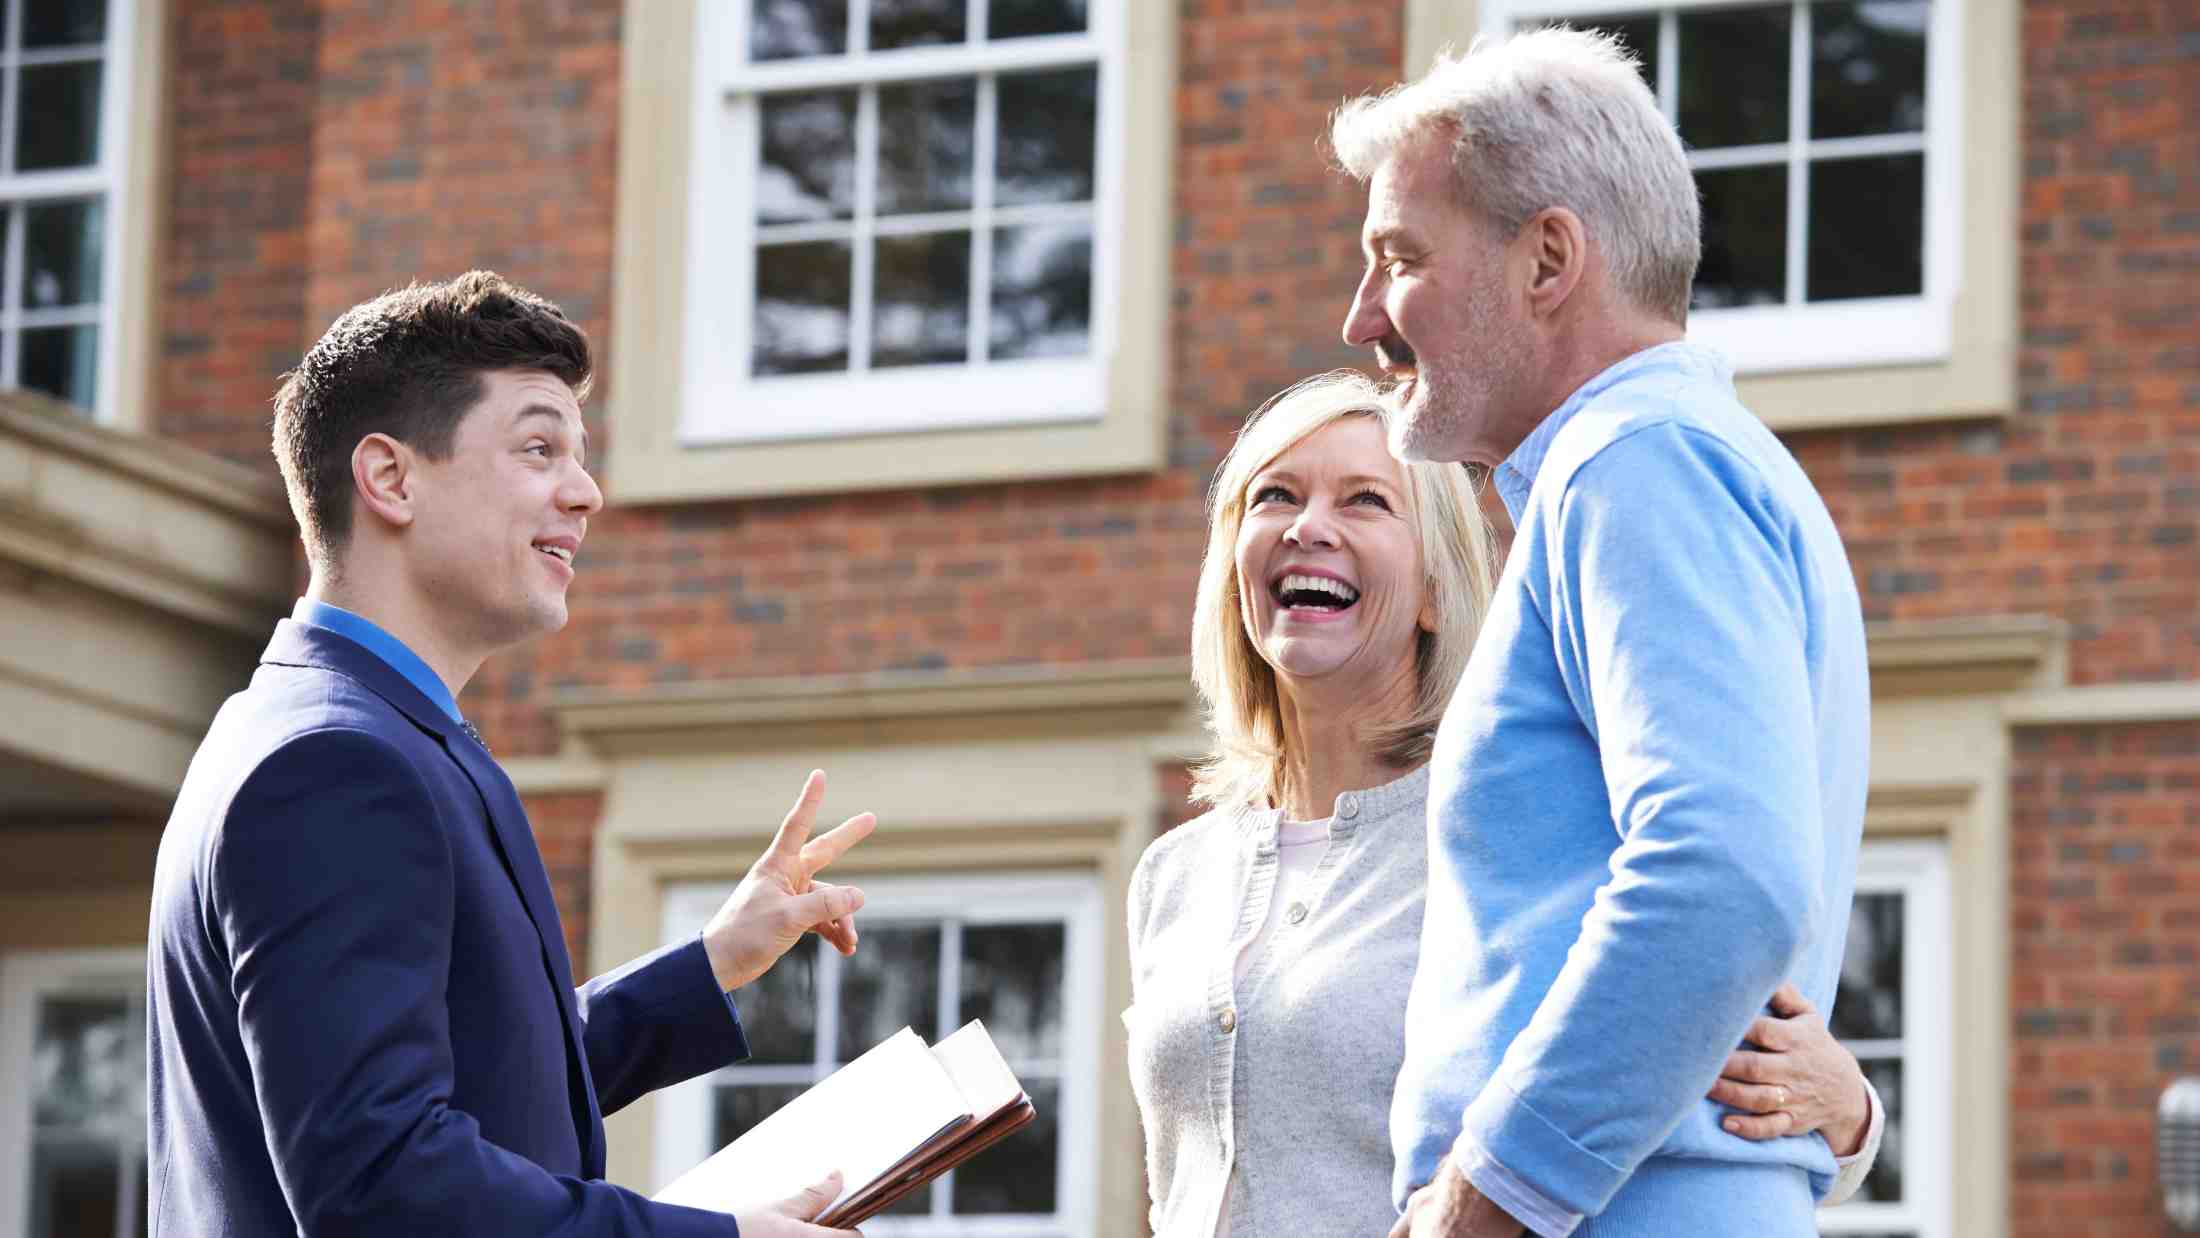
<point x="1779" y="1097"/>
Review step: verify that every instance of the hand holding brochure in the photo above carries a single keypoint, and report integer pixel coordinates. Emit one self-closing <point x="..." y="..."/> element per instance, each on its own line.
<point x="890" y="1121"/>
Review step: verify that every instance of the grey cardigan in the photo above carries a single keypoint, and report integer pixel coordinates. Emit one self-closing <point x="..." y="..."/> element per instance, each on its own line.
<point x="1279" y="1089"/>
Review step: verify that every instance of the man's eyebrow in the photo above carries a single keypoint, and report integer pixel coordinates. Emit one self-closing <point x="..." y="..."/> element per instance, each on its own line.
<point x="1387" y="237"/>
<point x="553" y="413"/>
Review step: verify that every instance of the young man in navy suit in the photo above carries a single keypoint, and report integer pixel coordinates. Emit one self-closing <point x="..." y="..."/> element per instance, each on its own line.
<point x="362" y="1019"/>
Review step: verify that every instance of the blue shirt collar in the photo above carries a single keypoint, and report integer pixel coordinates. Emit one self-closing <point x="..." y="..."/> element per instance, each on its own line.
<point x="1516" y="476"/>
<point x="365" y="632"/>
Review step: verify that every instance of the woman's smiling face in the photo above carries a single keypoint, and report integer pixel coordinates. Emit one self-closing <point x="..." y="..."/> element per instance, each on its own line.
<point x="1329" y="560"/>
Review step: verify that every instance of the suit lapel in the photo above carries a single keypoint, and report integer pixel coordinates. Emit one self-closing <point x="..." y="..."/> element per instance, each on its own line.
<point x="515" y="841"/>
<point x="297" y="644"/>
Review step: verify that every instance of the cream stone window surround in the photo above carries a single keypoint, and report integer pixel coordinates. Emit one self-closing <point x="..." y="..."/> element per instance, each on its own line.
<point x="127" y="180"/>
<point x="664" y="399"/>
<point x="1035" y="769"/>
<point x="27" y="977"/>
<point x="1948" y="355"/>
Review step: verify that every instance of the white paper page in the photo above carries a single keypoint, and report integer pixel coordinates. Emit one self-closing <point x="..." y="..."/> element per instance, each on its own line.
<point x="862" y="1120"/>
<point x="975" y="1063"/>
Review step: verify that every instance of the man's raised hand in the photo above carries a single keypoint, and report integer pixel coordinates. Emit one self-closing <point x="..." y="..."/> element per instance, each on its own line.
<point x="781" y="898"/>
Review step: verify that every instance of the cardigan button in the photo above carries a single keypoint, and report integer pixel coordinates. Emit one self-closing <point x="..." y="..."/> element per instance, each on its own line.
<point x="1228" y="1021"/>
<point x="1297" y="914"/>
<point x="1348" y="806"/>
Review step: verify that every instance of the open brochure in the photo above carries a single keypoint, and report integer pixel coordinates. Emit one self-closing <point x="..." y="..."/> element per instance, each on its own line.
<point x="890" y="1121"/>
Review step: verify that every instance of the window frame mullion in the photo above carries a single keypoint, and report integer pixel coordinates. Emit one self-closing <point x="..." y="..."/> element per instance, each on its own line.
<point x="1798" y="186"/>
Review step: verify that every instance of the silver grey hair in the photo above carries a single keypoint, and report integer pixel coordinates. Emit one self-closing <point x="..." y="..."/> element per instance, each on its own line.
<point x="1550" y="118"/>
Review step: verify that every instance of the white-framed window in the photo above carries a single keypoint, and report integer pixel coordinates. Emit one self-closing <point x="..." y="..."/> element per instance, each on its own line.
<point x="72" y="1094"/>
<point x="903" y="215"/>
<point x="1826" y="139"/>
<point x="1894" y="1013"/>
<point x="1020" y="951"/>
<point x="65" y="83"/>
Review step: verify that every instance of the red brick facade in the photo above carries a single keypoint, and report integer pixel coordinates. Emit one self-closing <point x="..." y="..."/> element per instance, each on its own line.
<point x="320" y="152"/>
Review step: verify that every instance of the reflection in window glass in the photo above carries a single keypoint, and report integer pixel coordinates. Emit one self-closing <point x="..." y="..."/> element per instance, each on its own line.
<point x="86" y="1110"/>
<point x="61" y="253"/>
<point x="1017" y="1174"/>
<point x="891" y="983"/>
<point x="1868" y="1005"/>
<point x="63" y="362"/>
<point x="917" y="23"/>
<point x="735" y="1110"/>
<point x="1884" y="1183"/>
<point x="1734" y="76"/>
<point x="802" y="303"/>
<point x="1868" y="68"/>
<point x="1047" y="136"/>
<point x="926" y="134"/>
<point x="57" y="116"/>
<point x="1042" y="292"/>
<point x="63" y="23"/>
<point x="1016" y="19"/>
<point x="1012" y="979"/>
<point x="1744" y="237"/>
<point x="809" y="157"/>
<point x="782" y="29"/>
<point x="779" y="1011"/>
<point x="922" y="310"/>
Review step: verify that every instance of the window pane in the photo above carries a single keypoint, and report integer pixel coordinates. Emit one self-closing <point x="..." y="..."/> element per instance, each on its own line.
<point x="917" y="23"/>
<point x="1868" y="68"/>
<point x="737" y="1107"/>
<point x="76" y="1186"/>
<point x="1042" y="292"/>
<point x="1867" y="228"/>
<point x="1868" y="1005"/>
<point x="62" y="257"/>
<point x="1016" y="1174"/>
<point x="891" y="983"/>
<point x="63" y="362"/>
<point x="1884" y="1182"/>
<point x="809" y="157"/>
<point x="926" y="131"/>
<point x="802" y="308"/>
<point x="57" y="116"/>
<point x="64" y="23"/>
<point x="921" y="313"/>
<point x="1015" y="19"/>
<point x="1046" y="136"/>
<point x="88" y="1065"/>
<point x="779" y="1009"/>
<point x="1012" y="979"/>
<point x="1734" y="76"/>
<point x="779" y="29"/>
<point x="1744" y="238"/>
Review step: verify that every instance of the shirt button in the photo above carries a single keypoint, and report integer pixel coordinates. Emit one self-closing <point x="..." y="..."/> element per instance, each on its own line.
<point x="1297" y="914"/>
<point x="1228" y="1021"/>
<point x="1348" y="806"/>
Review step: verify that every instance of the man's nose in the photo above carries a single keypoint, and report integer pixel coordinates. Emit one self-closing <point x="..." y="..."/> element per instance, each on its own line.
<point x="1365" y="322"/>
<point x="582" y="494"/>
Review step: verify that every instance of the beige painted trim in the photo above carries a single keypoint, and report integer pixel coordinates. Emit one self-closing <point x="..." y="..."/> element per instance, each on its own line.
<point x="111" y="916"/>
<point x="1995" y="653"/>
<point x="137" y="315"/>
<point x="1979" y="377"/>
<point x="160" y="525"/>
<point x="647" y="463"/>
<point x="2098" y="704"/>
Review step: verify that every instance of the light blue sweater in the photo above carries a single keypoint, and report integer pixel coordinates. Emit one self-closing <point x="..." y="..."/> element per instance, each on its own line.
<point x="1645" y="805"/>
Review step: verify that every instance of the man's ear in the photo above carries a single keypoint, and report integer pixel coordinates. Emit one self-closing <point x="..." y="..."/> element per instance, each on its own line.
<point x="1557" y="253"/>
<point x="382" y="476"/>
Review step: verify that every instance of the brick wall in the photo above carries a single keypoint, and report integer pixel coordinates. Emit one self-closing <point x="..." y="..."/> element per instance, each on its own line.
<point x="565" y="827"/>
<point x="2105" y="885"/>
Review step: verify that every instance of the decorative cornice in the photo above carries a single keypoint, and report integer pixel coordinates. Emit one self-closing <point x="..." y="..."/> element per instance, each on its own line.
<point x="2107" y="703"/>
<point x="1986" y="655"/>
<point x="1113" y="695"/>
<point x="163" y="526"/>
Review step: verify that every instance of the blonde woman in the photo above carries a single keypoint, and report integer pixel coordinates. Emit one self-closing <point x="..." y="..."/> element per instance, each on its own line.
<point x="1273" y="940"/>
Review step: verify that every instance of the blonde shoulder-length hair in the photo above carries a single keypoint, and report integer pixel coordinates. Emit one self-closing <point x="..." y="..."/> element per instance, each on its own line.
<point x="1236" y="685"/>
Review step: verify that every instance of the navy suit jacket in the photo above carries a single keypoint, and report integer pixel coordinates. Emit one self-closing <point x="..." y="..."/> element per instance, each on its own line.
<point x="361" y="1016"/>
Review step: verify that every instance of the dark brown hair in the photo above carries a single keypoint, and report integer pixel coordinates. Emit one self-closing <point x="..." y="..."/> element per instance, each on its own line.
<point x="407" y="364"/>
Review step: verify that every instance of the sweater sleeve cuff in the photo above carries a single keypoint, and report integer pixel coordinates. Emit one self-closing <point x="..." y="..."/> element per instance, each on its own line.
<point x="1554" y="1175"/>
<point x="1504" y="1188"/>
